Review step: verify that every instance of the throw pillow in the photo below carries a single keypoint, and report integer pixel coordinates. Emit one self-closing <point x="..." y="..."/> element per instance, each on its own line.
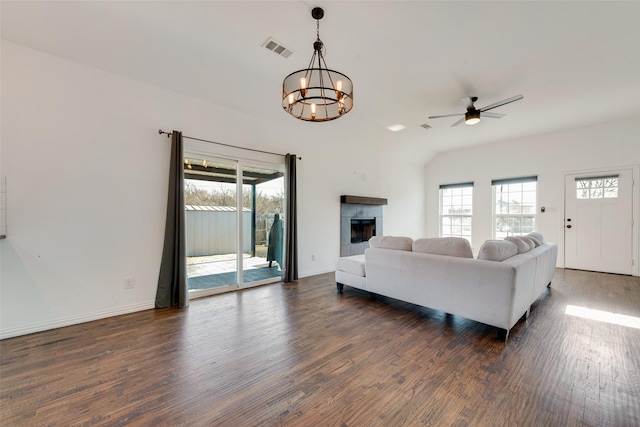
<point x="536" y="237"/>
<point x="529" y="241"/>
<point x="521" y="244"/>
<point x="497" y="250"/>
<point x="450" y="246"/>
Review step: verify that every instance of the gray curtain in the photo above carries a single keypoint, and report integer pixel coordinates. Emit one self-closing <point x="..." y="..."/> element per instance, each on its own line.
<point x="291" y="220"/>
<point x="172" y="281"/>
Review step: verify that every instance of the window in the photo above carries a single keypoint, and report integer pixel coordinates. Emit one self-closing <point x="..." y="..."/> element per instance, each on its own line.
<point x="456" y="210"/>
<point x="601" y="187"/>
<point x="514" y="206"/>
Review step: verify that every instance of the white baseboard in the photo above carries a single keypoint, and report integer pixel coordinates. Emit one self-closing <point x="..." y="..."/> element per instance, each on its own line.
<point x="73" y="320"/>
<point x="315" y="273"/>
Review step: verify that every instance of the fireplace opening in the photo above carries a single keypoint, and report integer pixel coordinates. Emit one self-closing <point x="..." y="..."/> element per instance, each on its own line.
<point x="362" y="229"/>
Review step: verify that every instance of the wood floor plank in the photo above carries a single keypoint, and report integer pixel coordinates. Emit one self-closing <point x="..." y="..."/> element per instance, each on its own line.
<point x="302" y="354"/>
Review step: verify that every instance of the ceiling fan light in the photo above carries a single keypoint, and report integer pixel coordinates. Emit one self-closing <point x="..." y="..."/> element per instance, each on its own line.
<point x="472" y="118"/>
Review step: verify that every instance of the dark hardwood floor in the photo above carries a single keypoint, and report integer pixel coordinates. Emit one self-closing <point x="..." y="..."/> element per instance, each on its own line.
<point x="303" y="355"/>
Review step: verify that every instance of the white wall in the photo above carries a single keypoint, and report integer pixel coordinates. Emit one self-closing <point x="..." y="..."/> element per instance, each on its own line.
<point x="86" y="179"/>
<point x="610" y="145"/>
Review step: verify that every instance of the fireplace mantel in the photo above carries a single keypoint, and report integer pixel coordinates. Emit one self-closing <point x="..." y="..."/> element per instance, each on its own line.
<point x="360" y="200"/>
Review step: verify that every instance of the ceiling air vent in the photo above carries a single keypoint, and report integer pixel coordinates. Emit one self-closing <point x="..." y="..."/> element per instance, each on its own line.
<point x="278" y="48"/>
<point x="426" y="126"/>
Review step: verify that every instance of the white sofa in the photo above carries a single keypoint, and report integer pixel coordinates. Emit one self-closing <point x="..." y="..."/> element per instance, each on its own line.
<point x="496" y="288"/>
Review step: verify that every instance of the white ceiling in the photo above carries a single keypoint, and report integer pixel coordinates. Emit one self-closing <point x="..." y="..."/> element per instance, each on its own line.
<point x="576" y="63"/>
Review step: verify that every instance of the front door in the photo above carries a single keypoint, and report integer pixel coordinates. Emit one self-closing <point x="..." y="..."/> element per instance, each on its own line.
<point x="598" y="222"/>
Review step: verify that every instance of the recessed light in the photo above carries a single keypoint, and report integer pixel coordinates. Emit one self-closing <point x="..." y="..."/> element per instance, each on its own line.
<point x="396" y="128"/>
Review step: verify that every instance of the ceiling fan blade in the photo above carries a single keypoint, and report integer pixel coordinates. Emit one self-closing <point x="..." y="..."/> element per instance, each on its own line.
<point x="501" y="103"/>
<point x="446" y="115"/>
<point x="458" y="122"/>
<point x="468" y="102"/>
<point x="492" y="115"/>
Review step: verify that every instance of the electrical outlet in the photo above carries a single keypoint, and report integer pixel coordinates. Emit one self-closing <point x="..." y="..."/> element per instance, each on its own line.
<point x="129" y="282"/>
<point x="313" y="257"/>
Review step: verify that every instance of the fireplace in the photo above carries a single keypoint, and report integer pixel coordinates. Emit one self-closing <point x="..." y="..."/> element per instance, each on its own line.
<point x="360" y="219"/>
<point x="362" y="229"/>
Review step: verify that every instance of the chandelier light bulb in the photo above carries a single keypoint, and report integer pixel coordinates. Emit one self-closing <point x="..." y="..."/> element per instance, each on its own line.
<point x="339" y="93"/>
<point x="303" y="86"/>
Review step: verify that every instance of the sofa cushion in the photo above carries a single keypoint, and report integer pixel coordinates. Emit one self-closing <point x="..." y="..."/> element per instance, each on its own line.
<point x="391" y="242"/>
<point x="521" y="244"/>
<point x="352" y="264"/>
<point x="537" y="238"/>
<point x="450" y="246"/>
<point x="497" y="250"/>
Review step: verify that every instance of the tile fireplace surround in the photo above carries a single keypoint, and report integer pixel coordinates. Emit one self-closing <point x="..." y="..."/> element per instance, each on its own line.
<point x="357" y="207"/>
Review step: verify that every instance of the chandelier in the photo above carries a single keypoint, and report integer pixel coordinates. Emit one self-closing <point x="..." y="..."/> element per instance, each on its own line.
<point x="317" y="94"/>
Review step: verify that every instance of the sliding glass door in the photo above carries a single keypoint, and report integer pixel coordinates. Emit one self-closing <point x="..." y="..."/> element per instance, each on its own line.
<point x="263" y="196"/>
<point x="234" y="213"/>
<point x="211" y="223"/>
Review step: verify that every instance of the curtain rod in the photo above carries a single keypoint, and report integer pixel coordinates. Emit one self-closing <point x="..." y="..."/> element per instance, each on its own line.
<point x="161" y="132"/>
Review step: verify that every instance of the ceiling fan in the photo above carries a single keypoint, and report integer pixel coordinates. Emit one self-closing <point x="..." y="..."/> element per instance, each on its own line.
<point x="472" y="116"/>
